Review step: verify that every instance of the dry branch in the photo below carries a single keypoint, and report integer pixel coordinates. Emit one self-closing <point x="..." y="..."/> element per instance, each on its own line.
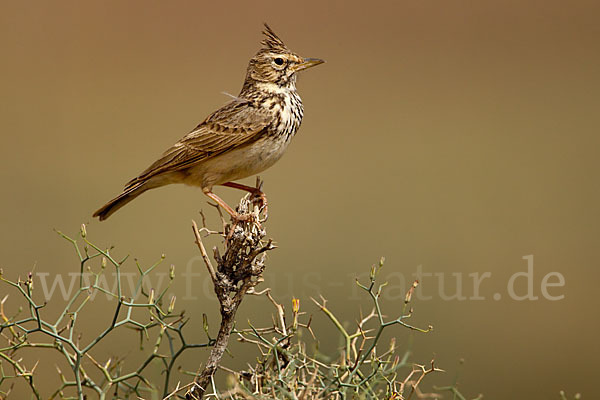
<point x="238" y="270"/>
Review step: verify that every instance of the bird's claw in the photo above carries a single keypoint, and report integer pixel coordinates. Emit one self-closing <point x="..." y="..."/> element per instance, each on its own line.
<point x="237" y="218"/>
<point x="244" y="218"/>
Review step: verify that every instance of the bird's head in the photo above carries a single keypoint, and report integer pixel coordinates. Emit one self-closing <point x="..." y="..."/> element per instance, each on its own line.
<point x="275" y="64"/>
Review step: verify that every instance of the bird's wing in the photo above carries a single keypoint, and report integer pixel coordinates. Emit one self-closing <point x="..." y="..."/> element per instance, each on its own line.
<point x="235" y="124"/>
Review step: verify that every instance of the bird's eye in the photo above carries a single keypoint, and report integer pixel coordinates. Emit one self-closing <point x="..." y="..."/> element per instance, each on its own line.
<point x="279" y="61"/>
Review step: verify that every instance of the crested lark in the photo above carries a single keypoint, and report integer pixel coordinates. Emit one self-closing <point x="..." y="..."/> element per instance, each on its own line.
<point x="242" y="138"/>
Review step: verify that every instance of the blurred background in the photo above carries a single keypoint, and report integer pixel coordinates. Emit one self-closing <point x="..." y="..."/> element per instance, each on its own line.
<point x="451" y="137"/>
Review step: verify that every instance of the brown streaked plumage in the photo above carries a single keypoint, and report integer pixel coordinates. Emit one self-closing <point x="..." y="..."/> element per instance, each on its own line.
<point x="242" y="138"/>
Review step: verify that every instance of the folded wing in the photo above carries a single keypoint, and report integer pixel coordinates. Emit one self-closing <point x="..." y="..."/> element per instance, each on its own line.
<point x="236" y="124"/>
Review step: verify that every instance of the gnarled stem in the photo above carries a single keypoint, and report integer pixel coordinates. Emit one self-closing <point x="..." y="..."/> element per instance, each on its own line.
<point x="238" y="270"/>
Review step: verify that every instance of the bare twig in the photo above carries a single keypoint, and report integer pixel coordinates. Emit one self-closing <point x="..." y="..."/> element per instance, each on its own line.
<point x="211" y="269"/>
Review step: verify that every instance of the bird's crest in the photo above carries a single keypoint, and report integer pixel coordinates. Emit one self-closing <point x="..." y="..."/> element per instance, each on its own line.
<point x="271" y="40"/>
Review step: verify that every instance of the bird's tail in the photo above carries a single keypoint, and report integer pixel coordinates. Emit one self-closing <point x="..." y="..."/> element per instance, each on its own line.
<point x="129" y="194"/>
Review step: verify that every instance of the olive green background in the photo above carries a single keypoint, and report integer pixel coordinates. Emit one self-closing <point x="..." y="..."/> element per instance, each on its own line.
<point x="458" y="136"/>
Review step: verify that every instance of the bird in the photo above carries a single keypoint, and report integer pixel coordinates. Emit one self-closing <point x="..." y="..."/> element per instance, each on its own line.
<point x="243" y="138"/>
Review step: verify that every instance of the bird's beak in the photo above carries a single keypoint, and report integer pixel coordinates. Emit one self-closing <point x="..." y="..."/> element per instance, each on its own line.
<point x="307" y="63"/>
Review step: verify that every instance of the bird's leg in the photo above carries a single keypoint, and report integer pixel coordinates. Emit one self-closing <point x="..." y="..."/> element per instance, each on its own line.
<point x="236" y="216"/>
<point x="255" y="191"/>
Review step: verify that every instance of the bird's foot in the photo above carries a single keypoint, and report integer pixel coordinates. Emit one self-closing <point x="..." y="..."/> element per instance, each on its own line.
<point x="237" y="218"/>
<point x="257" y="196"/>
